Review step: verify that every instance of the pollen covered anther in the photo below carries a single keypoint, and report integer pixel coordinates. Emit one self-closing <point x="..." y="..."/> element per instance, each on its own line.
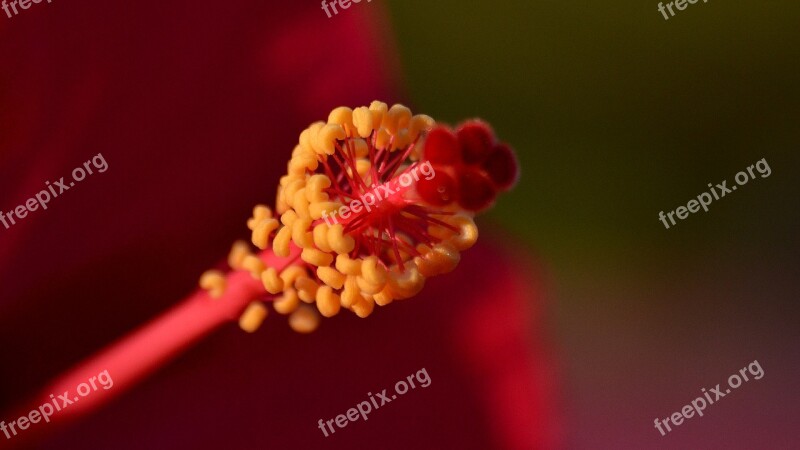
<point x="375" y="201"/>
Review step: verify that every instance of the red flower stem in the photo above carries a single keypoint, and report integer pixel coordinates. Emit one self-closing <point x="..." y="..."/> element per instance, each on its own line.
<point x="143" y="351"/>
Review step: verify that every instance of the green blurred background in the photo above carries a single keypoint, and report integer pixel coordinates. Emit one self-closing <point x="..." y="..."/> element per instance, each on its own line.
<point x="618" y="114"/>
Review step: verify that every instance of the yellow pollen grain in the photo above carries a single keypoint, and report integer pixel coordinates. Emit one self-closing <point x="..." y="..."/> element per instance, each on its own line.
<point x="261" y="233"/>
<point x="351" y="294"/>
<point x="364" y="308"/>
<point x="280" y="245"/>
<point x="331" y="277"/>
<point x="306" y="288"/>
<point x="378" y="110"/>
<point x="316" y="209"/>
<point x="315" y="186"/>
<point x="304" y="320"/>
<point x="372" y="271"/>
<point x="347" y="265"/>
<point x="467" y="235"/>
<point x="288" y="217"/>
<point x="328" y="302"/>
<point x="367" y="287"/>
<point x="286" y="303"/>
<point x="300" y="203"/>
<point x="405" y="284"/>
<point x="292" y="273"/>
<point x="300" y="234"/>
<point x="384" y="138"/>
<point x="254" y="265"/>
<point x="361" y="148"/>
<point x="342" y="116"/>
<point x="272" y="282"/>
<point x="260" y="212"/>
<point x="327" y="137"/>
<point x="253" y="317"/>
<point x="362" y="119"/>
<point x="237" y="254"/>
<point x="214" y="282"/>
<point x="316" y="257"/>
<point x="396" y="118"/>
<point x="383" y="297"/>
<point x="339" y="242"/>
<point x="320" y="235"/>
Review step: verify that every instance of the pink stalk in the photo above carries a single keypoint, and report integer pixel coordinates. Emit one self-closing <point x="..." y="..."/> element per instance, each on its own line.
<point x="142" y="352"/>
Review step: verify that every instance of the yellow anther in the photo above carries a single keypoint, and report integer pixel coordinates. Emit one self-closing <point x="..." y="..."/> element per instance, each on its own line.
<point x="331" y="277"/>
<point x="214" y="282"/>
<point x="253" y="316"/>
<point x="347" y="265"/>
<point x="372" y="271"/>
<point x="362" y="167"/>
<point x="405" y="284"/>
<point x="300" y="203"/>
<point x="292" y="273"/>
<point x="260" y="212"/>
<point x="272" y="282"/>
<point x="309" y="135"/>
<point x="237" y="254"/>
<point x="420" y="124"/>
<point x="299" y="164"/>
<point x="396" y="118"/>
<point x="288" y="217"/>
<point x="342" y="116"/>
<point x="447" y="255"/>
<point x="300" y="234"/>
<point x="383" y="138"/>
<point x="364" y="308"/>
<point x="315" y="187"/>
<point x="401" y="140"/>
<point x="442" y="258"/>
<point x="362" y="119"/>
<point x="327" y="137"/>
<point x="291" y="189"/>
<point x="360" y="147"/>
<point x="351" y="294"/>
<point x="369" y="288"/>
<point x="467" y="235"/>
<point x="316" y="209"/>
<point x="320" y="235"/>
<point x="280" y="245"/>
<point x="262" y="231"/>
<point x="328" y="302"/>
<point x="339" y="242"/>
<point x="378" y="110"/>
<point x="383" y="297"/>
<point x="304" y="320"/>
<point x="316" y="257"/>
<point x="306" y="288"/>
<point x="286" y="303"/>
<point x="254" y="265"/>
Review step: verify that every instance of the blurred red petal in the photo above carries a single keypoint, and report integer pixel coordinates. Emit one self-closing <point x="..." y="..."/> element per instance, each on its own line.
<point x="477" y="139"/>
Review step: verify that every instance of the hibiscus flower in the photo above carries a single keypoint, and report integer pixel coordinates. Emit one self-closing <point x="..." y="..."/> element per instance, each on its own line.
<point x="196" y="109"/>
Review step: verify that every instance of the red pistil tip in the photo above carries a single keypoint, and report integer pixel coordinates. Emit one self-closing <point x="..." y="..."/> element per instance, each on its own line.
<point x="375" y="201"/>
